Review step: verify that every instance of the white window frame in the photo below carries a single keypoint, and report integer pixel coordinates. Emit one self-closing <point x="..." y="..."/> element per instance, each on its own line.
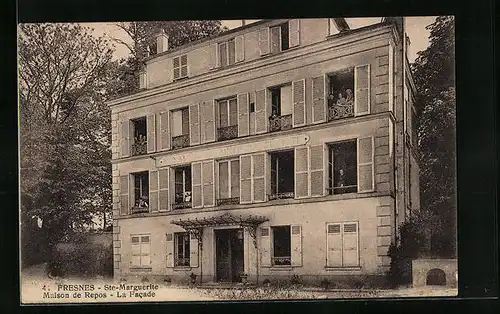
<point x="271" y="234"/>
<point x="187" y="254"/>
<point x="227" y="101"/>
<point x="330" y="167"/>
<point x="183" y="182"/>
<point x="172" y="126"/>
<point x="226" y="42"/>
<point x="135" y="176"/>
<point x="140" y="244"/>
<point x="229" y="179"/>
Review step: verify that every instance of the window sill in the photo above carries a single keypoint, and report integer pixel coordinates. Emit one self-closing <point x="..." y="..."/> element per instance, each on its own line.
<point x="281" y="268"/>
<point x="140" y="269"/>
<point x="182" y="268"/>
<point x="343" y="269"/>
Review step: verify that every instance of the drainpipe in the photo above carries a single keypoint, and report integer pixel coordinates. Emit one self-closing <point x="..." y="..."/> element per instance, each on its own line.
<point x="200" y="247"/>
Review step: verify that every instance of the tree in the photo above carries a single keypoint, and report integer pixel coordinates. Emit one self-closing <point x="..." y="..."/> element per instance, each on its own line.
<point x="435" y="102"/>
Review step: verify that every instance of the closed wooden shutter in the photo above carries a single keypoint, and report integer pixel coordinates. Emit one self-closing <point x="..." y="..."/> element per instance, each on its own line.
<point x="125" y="138"/>
<point x="245" y="179"/>
<point x="264" y="41"/>
<point x="333" y="245"/>
<point x="153" y="190"/>
<point x="231" y="51"/>
<point x="170" y="250"/>
<point x="362" y="89"/>
<point x="243" y="115"/>
<point x="294" y="32"/>
<point x="193" y="254"/>
<point x="301" y="172"/>
<point x="261" y="118"/>
<point x="151" y="129"/>
<point x="124" y="194"/>
<point x="296" y="239"/>
<point x="299" y="105"/>
<point x="145" y="251"/>
<point x="265" y="247"/>
<point x="208" y="183"/>
<point x="259" y="177"/>
<point x="164" y="130"/>
<point x="275" y="39"/>
<point x="212" y="57"/>
<point x="194" y="124"/>
<point x="136" y="251"/>
<point x="350" y="251"/>
<point x="365" y="164"/>
<point x="184" y="66"/>
<point x="239" y="42"/>
<point x="223" y="54"/>
<point x="196" y="180"/>
<point x="317" y="171"/>
<point x="318" y="99"/>
<point x="163" y="189"/>
<point x="207" y="109"/>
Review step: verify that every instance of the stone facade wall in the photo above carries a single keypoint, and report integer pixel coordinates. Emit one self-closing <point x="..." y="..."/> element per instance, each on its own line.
<point x="421" y="267"/>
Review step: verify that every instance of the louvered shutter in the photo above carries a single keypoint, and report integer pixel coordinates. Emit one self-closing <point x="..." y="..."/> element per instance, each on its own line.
<point x="196" y="180"/>
<point x="194" y="124"/>
<point x="153" y="190"/>
<point x="151" y="129"/>
<point x="316" y="168"/>
<point x="261" y="118"/>
<point x="365" y="164"/>
<point x="125" y="138"/>
<point x="296" y="242"/>
<point x="245" y="179"/>
<point x="136" y="251"/>
<point x="350" y="251"/>
<point x="299" y="105"/>
<point x="265" y="247"/>
<point x="275" y="39"/>
<point x="243" y="115"/>
<point x="207" y="109"/>
<point x="222" y="54"/>
<point x="145" y="251"/>
<point x="184" y="66"/>
<point x="362" y="89"/>
<point x="294" y="32"/>
<point x="212" y="56"/>
<point x="208" y="183"/>
<point x="264" y="41"/>
<point x="124" y="194"/>
<point x="259" y="177"/>
<point x="164" y="130"/>
<point x="318" y="99"/>
<point x="177" y="67"/>
<point x="170" y="249"/>
<point x="333" y="245"/>
<point x="193" y="254"/>
<point x="239" y="43"/>
<point x="163" y="189"/>
<point x="301" y="172"/>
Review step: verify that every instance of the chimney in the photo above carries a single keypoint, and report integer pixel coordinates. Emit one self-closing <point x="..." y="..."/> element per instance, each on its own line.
<point x="161" y="42"/>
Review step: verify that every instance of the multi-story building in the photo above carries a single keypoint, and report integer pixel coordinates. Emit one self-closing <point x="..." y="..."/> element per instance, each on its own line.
<point x="279" y="148"/>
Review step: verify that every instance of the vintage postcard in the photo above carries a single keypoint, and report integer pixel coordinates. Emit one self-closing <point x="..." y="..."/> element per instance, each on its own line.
<point x="237" y="160"/>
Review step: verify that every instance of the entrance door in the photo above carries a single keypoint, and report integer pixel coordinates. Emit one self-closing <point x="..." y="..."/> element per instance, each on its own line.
<point x="229" y="254"/>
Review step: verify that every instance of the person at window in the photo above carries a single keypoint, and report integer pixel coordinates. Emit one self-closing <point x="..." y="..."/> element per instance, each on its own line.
<point x="341" y="100"/>
<point x="331" y="99"/>
<point x="349" y="95"/>
<point x="341" y="178"/>
<point x="143" y="202"/>
<point x="274" y="115"/>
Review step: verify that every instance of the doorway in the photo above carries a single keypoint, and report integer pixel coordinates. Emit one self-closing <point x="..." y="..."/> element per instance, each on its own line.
<point x="229" y="255"/>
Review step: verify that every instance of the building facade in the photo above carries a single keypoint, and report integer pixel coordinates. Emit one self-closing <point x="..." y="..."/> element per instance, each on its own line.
<point x="280" y="148"/>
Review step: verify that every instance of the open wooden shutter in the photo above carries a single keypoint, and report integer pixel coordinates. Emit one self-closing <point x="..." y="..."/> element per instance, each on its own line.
<point x="318" y="99"/>
<point x="208" y="176"/>
<point x="299" y="104"/>
<point x="317" y="171"/>
<point x="125" y="138"/>
<point x="259" y="177"/>
<point x="243" y="115"/>
<point x="350" y="251"/>
<point x="212" y="57"/>
<point x="239" y="44"/>
<point x="264" y="41"/>
<point x="194" y="124"/>
<point x="151" y="130"/>
<point x="177" y="68"/>
<point x="362" y="89"/>
<point x="275" y="33"/>
<point x="163" y="189"/>
<point x="265" y="247"/>
<point x="294" y="32"/>
<point x="261" y="118"/>
<point x="296" y="238"/>
<point x="170" y="250"/>
<point x="164" y="130"/>
<point x="365" y="164"/>
<point x="124" y="195"/>
<point x="245" y="179"/>
<point x="197" y="191"/>
<point x="207" y="109"/>
<point x="333" y="245"/>
<point x="301" y="172"/>
<point x="153" y="190"/>
<point x="193" y="254"/>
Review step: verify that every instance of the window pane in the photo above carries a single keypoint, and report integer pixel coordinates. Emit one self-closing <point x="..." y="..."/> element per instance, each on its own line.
<point x="223" y="180"/>
<point x="276" y="101"/>
<point x="282" y="245"/>
<point x="286" y="100"/>
<point x="176" y="122"/>
<point x="223" y="119"/>
<point x="185" y="121"/>
<point x="284" y="36"/>
<point x="187" y="182"/>
<point x="231" y="49"/>
<point x="233" y="112"/>
<point x="223" y="54"/>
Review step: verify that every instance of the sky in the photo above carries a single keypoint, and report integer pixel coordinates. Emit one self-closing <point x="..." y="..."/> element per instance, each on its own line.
<point x="415" y="28"/>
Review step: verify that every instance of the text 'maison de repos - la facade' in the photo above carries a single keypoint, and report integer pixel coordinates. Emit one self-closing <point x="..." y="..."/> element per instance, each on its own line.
<point x="279" y="148"/>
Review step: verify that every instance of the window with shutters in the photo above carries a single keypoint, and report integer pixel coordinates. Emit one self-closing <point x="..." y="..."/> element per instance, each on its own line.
<point x="139" y="144"/>
<point x="179" y="128"/>
<point x="227" y="119"/>
<point x="229" y="182"/>
<point x="281" y="246"/>
<point x="141" y="250"/>
<point x="182" y="250"/>
<point x="226" y="52"/>
<point x="141" y="192"/>
<point x="340" y="91"/>
<point x="281" y="108"/>
<point x="342" y="244"/>
<point x="282" y="175"/>
<point x="342" y="167"/>
<point x="279" y="38"/>
<point x="182" y="187"/>
<point x="180" y="67"/>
